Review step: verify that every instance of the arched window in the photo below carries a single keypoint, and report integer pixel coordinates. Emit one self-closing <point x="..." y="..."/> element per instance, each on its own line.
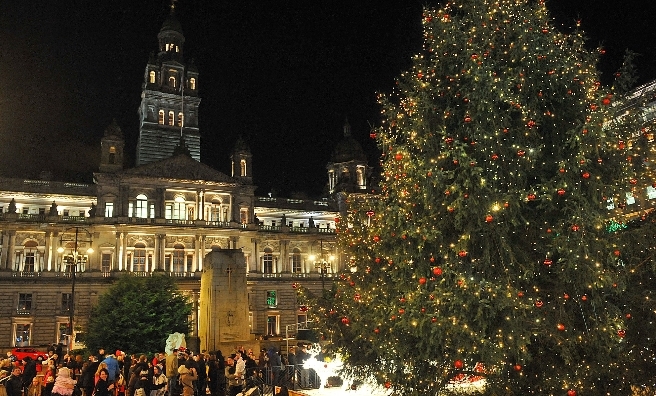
<point x="141" y="207"/>
<point x="161" y="117"/>
<point x="296" y="261"/>
<point x="242" y="167"/>
<point x="192" y="83"/>
<point x="180" y="119"/>
<point x="360" y="177"/>
<point x="171" y="117"/>
<point x="139" y="258"/>
<point x="172" y="81"/>
<point x="178" y="258"/>
<point x="112" y="155"/>
<point x="151" y="77"/>
<point x="267" y="261"/>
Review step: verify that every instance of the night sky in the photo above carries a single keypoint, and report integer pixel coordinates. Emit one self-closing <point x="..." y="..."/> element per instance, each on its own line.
<point x="285" y="75"/>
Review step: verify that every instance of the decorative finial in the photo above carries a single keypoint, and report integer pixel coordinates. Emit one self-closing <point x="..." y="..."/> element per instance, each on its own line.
<point x="173" y="5"/>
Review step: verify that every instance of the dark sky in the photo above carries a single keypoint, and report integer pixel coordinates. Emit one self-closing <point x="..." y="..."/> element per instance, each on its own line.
<point x="283" y="74"/>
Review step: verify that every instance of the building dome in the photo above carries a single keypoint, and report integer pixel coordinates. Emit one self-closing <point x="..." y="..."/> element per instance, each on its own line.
<point x="171" y="24"/>
<point x="348" y="149"/>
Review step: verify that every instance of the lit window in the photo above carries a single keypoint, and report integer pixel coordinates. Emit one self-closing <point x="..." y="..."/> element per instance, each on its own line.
<point x="141" y="209"/>
<point x="272" y="324"/>
<point x="24" y="302"/>
<point x="630" y="199"/>
<point x="272" y="299"/>
<point x="161" y="117"/>
<point x="171" y="115"/>
<point x="172" y="82"/>
<point x="178" y="258"/>
<point x="179" y="209"/>
<point x="180" y="119"/>
<point x="192" y="83"/>
<point x="112" y="155"/>
<point x="651" y="192"/>
<point x="109" y="209"/>
<point x="242" y="167"/>
<point x="267" y="261"/>
<point x="151" y="77"/>
<point x="66" y="302"/>
<point x="243" y="216"/>
<point x="106" y="262"/>
<point x="360" y="176"/>
<point x="296" y="261"/>
<point x="22" y="334"/>
<point x="139" y="258"/>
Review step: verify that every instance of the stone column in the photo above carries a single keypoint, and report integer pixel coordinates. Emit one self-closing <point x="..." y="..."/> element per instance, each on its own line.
<point x="5" y="247"/>
<point x="284" y="256"/>
<point x="255" y="259"/>
<point x="47" y="252"/>
<point x="159" y="250"/>
<point x="118" y="252"/>
<point x="194" y="266"/>
<point x="11" y="250"/>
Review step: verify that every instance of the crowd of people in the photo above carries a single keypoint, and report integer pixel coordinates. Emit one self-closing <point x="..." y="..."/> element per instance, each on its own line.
<point x="180" y="373"/>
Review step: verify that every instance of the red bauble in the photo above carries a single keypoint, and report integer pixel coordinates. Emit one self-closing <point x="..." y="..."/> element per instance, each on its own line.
<point x="617" y="252"/>
<point x="605" y="101"/>
<point x="520" y="294"/>
<point x="468" y="118"/>
<point x="561" y="192"/>
<point x="530" y="124"/>
<point x="433" y="319"/>
<point x="521" y="153"/>
<point x="294" y="285"/>
<point x="621" y="333"/>
<point x="566" y="296"/>
<point x="372" y="134"/>
<point x="448" y="140"/>
<point x="356" y="297"/>
<point x="571" y="392"/>
<point x="303" y="308"/>
<point x="628" y="316"/>
<point x="398" y="156"/>
<point x="531" y="197"/>
<point x="423" y="310"/>
<point x="560" y="327"/>
<point x="401" y="311"/>
<point x="462" y="253"/>
<point x="561" y="170"/>
<point x="370" y="213"/>
<point x="586" y="175"/>
<point x="377" y="260"/>
<point x="420" y="75"/>
<point x="539" y="303"/>
<point x="458" y="364"/>
<point x="431" y="297"/>
<point x="489" y="218"/>
<point x="547" y="262"/>
<point x="376" y="238"/>
<point x="518" y="367"/>
<point x="474" y="56"/>
<point x="345" y="320"/>
<point x="376" y="330"/>
<point x="495" y="157"/>
<point x="575" y="227"/>
<point x="388" y="384"/>
<point x="422" y="281"/>
<point x="621" y="145"/>
<point x="633" y="181"/>
<point x="584" y="298"/>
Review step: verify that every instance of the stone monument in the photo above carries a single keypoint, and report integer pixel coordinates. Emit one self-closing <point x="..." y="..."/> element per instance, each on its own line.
<point x="223" y="315"/>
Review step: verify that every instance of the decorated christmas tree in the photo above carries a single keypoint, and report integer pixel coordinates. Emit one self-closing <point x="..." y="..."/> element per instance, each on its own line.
<point x="488" y="254"/>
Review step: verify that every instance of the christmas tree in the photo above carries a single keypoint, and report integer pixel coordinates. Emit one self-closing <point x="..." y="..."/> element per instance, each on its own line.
<point x="488" y="252"/>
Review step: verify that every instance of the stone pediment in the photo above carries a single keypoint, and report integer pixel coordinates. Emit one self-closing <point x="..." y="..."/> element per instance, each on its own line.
<point x="180" y="167"/>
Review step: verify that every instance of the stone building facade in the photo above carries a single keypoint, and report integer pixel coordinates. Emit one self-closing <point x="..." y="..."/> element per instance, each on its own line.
<point x="164" y="216"/>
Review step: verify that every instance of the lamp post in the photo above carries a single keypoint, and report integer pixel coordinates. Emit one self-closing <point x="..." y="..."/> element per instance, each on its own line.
<point x="72" y="260"/>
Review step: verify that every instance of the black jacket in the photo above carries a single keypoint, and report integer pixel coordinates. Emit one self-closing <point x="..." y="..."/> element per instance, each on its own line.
<point x="14" y="386"/>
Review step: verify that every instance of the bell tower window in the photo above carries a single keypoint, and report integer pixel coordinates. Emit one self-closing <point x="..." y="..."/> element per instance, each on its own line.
<point x="180" y="119"/>
<point x="192" y="83"/>
<point x="161" y="117"/>
<point x="151" y="77"/>
<point x="171" y="118"/>
<point x="172" y="82"/>
<point x="242" y="167"/>
<point x="112" y="155"/>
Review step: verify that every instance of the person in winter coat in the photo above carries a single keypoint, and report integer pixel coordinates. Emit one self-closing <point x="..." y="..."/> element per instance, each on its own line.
<point x="29" y="372"/>
<point x="49" y="378"/>
<point x="14" y="385"/>
<point x="103" y="386"/>
<point x="276" y="365"/>
<point x="35" y="387"/>
<point x="158" y="385"/>
<point x="64" y="384"/>
<point x="187" y="378"/>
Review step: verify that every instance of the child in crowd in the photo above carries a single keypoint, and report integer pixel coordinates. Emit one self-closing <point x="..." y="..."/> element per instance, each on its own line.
<point x="64" y="384"/>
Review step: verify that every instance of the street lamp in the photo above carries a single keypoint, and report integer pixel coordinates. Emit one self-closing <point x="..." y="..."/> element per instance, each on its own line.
<point x="72" y="260"/>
